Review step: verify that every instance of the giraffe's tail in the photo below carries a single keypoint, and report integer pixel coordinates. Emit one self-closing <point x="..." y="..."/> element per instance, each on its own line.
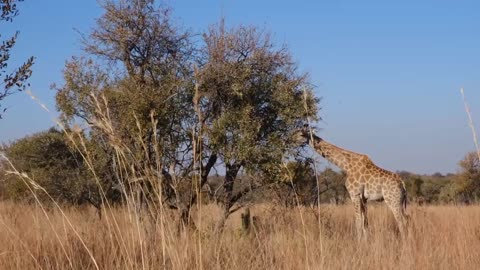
<point x="404" y="207"/>
<point x="404" y="200"/>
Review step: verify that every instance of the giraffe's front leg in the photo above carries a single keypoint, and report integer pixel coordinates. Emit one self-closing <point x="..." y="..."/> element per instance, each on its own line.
<point x="360" y="215"/>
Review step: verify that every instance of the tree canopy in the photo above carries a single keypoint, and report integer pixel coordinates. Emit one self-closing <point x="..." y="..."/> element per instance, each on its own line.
<point x="53" y="164"/>
<point x="251" y="97"/>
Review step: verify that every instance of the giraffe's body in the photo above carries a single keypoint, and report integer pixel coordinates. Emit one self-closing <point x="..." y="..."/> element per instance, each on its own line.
<point x="365" y="181"/>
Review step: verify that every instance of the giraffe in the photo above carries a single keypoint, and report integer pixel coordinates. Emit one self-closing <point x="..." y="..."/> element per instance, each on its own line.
<point x="365" y="181"/>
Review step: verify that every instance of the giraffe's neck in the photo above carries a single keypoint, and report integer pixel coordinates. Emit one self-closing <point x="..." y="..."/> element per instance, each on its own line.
<point x="340" y="157"/>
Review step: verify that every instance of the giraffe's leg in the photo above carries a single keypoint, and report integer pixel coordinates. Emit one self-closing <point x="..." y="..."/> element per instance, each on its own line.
<point x="364" y="215"/>
<point x="395" y="204"/>
<point x="397" y="213"/>
<point x="359" y="215"/>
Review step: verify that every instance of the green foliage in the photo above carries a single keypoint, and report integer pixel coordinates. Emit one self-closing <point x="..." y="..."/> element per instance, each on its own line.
<point x="438" y="188"/>
<point x="301" y="179"/>
<point x="432" y="189"/>
<point x="84" y="80"/>
<point x="298" y="173"/>
<point x="243" y="98"/>
<point x="16" y="80"/>
<point x="146" y="108"/>
<point x="463" y="187"/>
<point x="332" y="186"/>
<point x="467" y="184"/>
<point x="47" y="159"/>
<point x="413" y="184"/>
<point x="136" y="96"/>
<point x="252" y="96"/>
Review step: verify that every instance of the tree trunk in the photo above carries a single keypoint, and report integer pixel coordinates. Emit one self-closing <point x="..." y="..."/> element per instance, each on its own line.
<point x="185" y="211"/>
<point x="230" y="176"/>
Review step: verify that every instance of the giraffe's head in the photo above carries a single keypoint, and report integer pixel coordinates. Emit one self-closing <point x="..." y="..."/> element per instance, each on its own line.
<point x="304" y="135"/>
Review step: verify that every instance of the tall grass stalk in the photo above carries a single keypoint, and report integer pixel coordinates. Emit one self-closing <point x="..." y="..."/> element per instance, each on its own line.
<point x="317" y="179"/>
<point x="197" y="160"/>
<point x="470" y="123"/>
<point x="32" y="185"/>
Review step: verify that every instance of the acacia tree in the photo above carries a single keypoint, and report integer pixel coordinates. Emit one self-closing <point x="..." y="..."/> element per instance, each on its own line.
<point x="16" y="80"/>
<point x="137" y="93"/>
<point x="251" y="97"/>
<point x="141" y="94"/>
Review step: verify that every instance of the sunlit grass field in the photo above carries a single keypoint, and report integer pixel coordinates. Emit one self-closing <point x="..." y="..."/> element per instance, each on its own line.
<point x="440" y="237"/>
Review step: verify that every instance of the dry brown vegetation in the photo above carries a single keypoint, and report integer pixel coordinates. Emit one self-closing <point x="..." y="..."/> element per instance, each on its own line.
<point x="441" y="237"/>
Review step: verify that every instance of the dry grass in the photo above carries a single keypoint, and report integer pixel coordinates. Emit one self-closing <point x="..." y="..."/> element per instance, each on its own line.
<point x="441" y="237"/>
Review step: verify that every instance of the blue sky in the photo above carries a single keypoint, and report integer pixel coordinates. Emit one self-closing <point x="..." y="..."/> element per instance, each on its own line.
<point x="389" y="72"/>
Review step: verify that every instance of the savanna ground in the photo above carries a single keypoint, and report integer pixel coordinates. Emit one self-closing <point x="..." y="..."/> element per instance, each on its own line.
<point x="441" y="237"/>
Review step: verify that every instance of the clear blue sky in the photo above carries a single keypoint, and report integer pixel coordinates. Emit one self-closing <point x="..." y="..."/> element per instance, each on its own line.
<point x="389" y="73"/>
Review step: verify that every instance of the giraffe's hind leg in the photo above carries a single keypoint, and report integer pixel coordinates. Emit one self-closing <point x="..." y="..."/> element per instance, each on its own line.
<point x="364" y="213"/>
<point x="395" y="203"/>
